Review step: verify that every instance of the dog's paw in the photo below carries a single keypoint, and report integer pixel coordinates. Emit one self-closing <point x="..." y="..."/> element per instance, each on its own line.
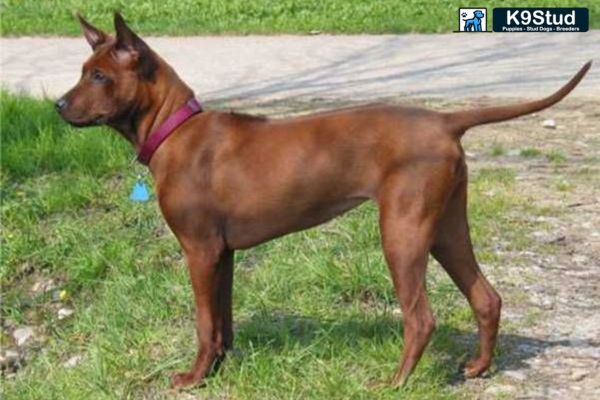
<point x="475" y="368"/>
<point x="181" y="380"/>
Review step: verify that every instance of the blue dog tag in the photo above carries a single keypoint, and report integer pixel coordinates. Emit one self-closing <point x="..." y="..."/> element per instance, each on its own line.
<point x="140" y="191"/>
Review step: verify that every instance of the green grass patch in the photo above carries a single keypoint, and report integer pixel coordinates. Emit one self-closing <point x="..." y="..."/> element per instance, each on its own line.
<point x="35" y="141"/>
<point x="530" y="152"/>
<point x="563" y="185"/>
<point x="30" y="17"/>
<point x="313" y="310"/>
<point x="497" y="150"/>
<point x="556" y="156"/>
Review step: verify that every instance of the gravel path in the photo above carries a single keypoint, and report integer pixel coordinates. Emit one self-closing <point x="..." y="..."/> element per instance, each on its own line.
<point x="261" y="68"/>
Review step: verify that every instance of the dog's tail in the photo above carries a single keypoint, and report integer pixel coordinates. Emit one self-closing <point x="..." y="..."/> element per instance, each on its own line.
<point x="462" y="120"/>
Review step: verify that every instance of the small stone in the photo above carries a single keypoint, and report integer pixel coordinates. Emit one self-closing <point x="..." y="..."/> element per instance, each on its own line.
<point x="43" y="286"/>
<point x="516" y="375"/>
<point x="578" y="374"/>
<point x="9" y="360"/>
<point x="9" y="324"/>
<point x="11" y="354"/>
<point x="22" y="335"/>
<point x="549" y="124"/>
<point x="314" y="32"/>
<point x="470" y="155"/>
<point x="500" y="390"/>
<point x="72" y="362"/>
<point x="65" y="312"/>
<point x="185" y="396"/>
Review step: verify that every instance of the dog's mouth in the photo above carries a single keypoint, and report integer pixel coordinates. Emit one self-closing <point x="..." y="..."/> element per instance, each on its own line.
<point x="82" y="123"/>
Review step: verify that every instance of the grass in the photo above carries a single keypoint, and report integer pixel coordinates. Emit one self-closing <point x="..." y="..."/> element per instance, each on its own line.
<point x="314" y="311"/>
<point x="497" y="150"/>
<point x="562" y="185"/>
<point x="556" y="156"/>
<point x="31" y="17"/>
<point x="530" y="152"/>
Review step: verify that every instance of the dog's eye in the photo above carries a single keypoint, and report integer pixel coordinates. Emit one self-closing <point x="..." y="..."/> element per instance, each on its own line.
<point x="98" y="77"/>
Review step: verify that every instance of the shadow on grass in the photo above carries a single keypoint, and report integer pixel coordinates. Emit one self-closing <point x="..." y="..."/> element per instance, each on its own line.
<point x="450" y="347"/>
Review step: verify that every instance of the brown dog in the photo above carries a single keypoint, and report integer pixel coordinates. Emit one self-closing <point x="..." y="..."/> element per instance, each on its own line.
<point x="226" y="181"/>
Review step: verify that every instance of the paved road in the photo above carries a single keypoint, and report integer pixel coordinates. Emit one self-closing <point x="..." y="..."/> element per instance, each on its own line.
<point x="260" y="68"/>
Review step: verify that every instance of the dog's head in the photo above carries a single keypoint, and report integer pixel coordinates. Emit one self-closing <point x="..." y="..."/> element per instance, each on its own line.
<point x="111" y="79"/>
<point x="478" y="14"/>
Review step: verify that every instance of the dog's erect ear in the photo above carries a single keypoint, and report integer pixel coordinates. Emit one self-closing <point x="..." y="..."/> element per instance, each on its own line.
<point x="94" y="36"/>
<point x="126" y="38"/>
<point x="130" y="48"/>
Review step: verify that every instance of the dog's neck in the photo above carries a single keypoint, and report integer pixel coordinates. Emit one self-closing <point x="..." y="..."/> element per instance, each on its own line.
<point x="161" y="98"/>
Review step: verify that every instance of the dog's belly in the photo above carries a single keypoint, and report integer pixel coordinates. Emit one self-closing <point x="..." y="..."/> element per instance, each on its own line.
<point x="250" y="231"/>
<point x="285" y="186"/>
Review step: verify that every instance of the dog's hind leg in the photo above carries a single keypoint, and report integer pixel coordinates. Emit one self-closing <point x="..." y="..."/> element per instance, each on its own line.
<point x="453" y="250"/>
<point x="407" y="228"/>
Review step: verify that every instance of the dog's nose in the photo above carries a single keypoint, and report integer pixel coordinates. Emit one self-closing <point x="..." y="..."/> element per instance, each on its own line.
<point x="60" y="104"/>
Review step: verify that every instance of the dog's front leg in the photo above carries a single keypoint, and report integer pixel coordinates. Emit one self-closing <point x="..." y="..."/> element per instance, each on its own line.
<point x="224" y="307"/>
<point x="203" y="265"/>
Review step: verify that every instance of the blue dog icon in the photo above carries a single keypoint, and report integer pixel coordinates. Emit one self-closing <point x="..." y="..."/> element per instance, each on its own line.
<point x="474" y="24"/>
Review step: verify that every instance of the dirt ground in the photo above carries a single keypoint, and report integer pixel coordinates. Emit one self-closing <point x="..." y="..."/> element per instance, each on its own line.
<point x="552" y="291"/>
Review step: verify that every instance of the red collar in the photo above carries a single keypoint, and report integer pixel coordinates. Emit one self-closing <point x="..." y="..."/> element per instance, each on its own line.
<point x="166" y="128"/>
